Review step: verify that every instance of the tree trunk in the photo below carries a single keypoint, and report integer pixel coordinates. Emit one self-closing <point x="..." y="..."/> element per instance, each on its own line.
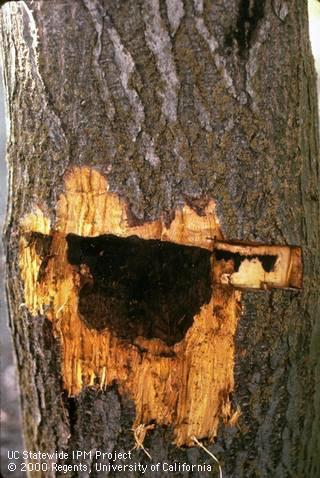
<point x="179" y="114"/>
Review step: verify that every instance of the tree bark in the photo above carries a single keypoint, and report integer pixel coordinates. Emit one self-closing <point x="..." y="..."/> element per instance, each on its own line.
<point x="175" y="102"/>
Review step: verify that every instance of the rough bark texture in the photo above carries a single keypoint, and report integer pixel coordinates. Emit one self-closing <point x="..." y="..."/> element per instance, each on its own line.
<point x="176" y="102"/>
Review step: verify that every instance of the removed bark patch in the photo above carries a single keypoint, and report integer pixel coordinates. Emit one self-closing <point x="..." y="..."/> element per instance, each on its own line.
<point x="144" y="306"/>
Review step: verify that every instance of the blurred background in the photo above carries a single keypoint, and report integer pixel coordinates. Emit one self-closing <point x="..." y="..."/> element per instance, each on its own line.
<point x="10" y="428"/>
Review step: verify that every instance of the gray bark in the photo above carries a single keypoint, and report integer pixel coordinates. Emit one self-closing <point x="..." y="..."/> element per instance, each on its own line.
<point x="176" y="101"/>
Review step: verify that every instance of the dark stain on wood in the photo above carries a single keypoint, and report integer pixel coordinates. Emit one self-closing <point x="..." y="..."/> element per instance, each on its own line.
<point x="139" y="287"/>
<point x="249" y="15"/>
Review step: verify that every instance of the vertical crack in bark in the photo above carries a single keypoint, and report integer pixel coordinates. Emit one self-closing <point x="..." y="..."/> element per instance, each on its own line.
<point x="253" y="62"/>
<point x="126" y="67"/>
<point x="158" y="40"/>
<point x="249" y="16"/>
<point x="213" y="45"/>
<point x="175" y="12"/>
<point x="280" y="8"/>
<point x="250" y="32"/>
<point x="98" y="15"/>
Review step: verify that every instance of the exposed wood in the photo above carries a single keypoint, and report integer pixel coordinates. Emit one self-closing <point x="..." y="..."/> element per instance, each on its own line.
<point x="259" y="266"/>
<point x="164" y="381"/>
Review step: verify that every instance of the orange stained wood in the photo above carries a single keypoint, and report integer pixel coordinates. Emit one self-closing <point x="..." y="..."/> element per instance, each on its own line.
<point x="186" y="385"/>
